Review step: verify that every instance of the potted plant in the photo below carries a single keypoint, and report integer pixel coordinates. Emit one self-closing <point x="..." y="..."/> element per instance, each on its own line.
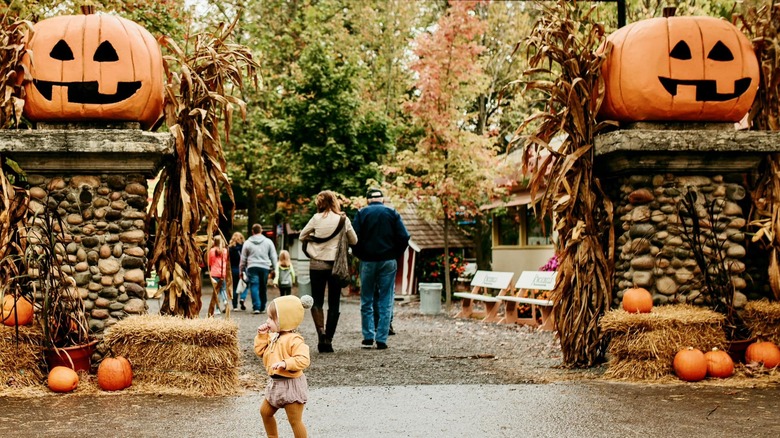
<point x="709" y="253"/>
<point x="31" y="267"/>
<point x="61" y="311"/>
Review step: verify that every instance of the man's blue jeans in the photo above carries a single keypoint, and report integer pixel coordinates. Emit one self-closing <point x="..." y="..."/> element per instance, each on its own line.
<point x="377" y="277"/>
<point x="258" y="281"/>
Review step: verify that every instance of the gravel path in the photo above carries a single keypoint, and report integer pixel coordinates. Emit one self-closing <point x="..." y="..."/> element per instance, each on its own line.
<point x="427" y="350"/>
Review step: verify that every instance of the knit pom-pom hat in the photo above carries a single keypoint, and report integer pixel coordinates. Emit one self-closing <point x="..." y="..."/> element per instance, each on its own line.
<point x="290" y="310"/>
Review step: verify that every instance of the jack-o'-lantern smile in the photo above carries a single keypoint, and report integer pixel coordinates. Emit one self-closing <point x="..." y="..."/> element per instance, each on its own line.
<point x="91" y="68"/>
<point x="87" y="92"/>
<point x="706" y="89"/>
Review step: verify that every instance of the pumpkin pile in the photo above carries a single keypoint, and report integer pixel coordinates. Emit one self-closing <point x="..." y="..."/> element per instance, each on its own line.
<point x="692" y="365"/>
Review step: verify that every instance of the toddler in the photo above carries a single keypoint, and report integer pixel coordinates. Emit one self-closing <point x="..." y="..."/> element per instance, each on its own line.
<point x="284" y="277"/>
<point x="285" y="356"/>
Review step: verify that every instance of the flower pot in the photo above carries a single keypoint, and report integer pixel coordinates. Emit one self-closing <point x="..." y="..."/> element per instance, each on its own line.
<point x="78" y="357"/>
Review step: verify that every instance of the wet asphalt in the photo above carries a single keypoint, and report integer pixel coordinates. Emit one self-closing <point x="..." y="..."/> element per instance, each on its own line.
<point x="570" y="409"/>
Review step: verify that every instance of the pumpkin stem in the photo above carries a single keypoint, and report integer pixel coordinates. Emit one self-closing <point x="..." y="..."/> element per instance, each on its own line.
<point x="88" y="9"/>
<point x="669" y="11"/>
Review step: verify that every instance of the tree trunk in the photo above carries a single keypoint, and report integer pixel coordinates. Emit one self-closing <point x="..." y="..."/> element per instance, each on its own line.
<point x="251" y="205"/>
<point x="482" y="243"/>
<point x="447" y="281"/>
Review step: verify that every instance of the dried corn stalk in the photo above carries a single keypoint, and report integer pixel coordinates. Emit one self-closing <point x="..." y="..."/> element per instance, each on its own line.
<point x="566" y="69"/>
<point x="198" y="99"/>
<point x="762" y="25"/>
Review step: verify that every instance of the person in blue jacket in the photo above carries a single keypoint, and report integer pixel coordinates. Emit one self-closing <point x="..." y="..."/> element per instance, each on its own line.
<point x="382" y="239"/>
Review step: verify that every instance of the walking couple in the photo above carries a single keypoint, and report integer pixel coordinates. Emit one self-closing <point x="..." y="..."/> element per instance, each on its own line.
<point x="378" y="237"/>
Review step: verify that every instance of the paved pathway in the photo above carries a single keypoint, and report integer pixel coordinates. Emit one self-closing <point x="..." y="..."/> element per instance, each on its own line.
<point x="552" y="410"/>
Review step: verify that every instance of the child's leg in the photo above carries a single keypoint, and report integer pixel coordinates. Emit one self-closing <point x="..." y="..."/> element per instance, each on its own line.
<point x="269" y="422"/>
<point x="284" y="290"/>
<point x="295" y="415"/>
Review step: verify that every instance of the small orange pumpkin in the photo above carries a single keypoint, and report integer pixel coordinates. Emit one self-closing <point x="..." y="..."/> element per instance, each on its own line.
<point x="719" y="364"/>
<point x="93" y="67"/>
<point x="681" y="69"/>
<point x="690" y="365"/>
<point x="63" y="379"/>
<point x="763" y="352"/>
<point x="637" y="300"/>
<point x="114" y="373"/>
<point x="23" y="314"/>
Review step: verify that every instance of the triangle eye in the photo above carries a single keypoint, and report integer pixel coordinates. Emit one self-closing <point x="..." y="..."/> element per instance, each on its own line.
<point x="681" y="51"/>
<point x="720" y="53"/>
<point x="61" y="51"/>
<point x="105" y="53"/>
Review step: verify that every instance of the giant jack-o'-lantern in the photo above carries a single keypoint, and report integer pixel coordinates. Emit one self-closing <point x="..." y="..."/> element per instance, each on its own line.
<point x="679" y="68"/>
<point x="93" y="67"/>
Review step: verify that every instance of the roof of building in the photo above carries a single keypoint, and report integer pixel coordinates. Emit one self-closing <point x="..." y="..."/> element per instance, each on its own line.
<point x="427" y="234"/>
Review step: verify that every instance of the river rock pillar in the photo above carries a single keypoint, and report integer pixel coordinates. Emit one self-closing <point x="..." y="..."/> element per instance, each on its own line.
<point x="95" y="176"/>
<point x="646" y="169"/>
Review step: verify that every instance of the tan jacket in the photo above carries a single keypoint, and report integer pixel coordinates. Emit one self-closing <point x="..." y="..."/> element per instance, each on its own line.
<point x="288" y="347"/>
<point x="323" y="226"/>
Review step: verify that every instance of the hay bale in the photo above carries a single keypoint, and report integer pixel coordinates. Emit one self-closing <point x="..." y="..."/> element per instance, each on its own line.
<point x="20" y="364"/>
<point x="763" y="319"/>
<point x="642" y="345"/>
<point x="194" y="355"/>
<point x="638" y="369"/>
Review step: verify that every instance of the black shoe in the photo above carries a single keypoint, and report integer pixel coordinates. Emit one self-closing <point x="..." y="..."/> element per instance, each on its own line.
<point x="391" y="332"/>
<point x="381" y="346"/>
<point x="243" y="306"/>
<point x="367" y="344"/>
<point x="325" y="347"/>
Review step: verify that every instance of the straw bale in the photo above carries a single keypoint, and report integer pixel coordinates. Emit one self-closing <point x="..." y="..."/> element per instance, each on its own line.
<point x="143" y="329"/>
<point x="663" y="344"/>
<point x="20" y="364"/>
<point x="192" y="355"/>
<point x="638" y="369"/>
<point x="643" y="345"/>
<point x="222" y="383"/>
<point x="763" y="319"/>
<point x="662" y="317"/>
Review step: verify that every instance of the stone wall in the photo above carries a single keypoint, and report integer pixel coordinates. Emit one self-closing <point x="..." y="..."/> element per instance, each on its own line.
<point x="104" y="239"/>
<point x="653" y="253"/>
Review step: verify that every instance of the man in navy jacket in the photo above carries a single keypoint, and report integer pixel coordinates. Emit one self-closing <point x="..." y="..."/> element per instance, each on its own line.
<point x="382" y="239"/>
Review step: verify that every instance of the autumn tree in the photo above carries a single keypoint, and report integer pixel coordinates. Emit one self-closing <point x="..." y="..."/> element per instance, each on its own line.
<point x="449" y="171"/>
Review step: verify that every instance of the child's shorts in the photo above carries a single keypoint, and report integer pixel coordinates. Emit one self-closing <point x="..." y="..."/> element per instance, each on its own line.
<point x="281" y="391"/>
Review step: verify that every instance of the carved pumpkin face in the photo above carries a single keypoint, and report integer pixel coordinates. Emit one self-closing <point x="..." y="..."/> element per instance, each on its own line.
<point x="93" y="67"/>
<point x="679" y="68"/>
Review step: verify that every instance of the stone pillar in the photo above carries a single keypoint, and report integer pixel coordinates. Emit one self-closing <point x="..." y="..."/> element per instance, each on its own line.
<point x="96" y="179"/>
<point x="646" y="169"/>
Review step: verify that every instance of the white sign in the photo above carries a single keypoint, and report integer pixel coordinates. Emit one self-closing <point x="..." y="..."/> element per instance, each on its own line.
<point x="492" y="279"/>
<point x="539" y="280"/>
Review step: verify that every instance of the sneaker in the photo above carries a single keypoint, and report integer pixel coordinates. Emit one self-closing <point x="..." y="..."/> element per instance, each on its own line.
<point x="235" y="309"/>
<point x="391" y="332"/>
<point x="243" y="306"/>
<point x="367" y="344"/>
<point x="256" y="312"/>
<point x="381" y="346"/>
<point x="217" y="312"/>
<point x="221" y="305"/>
